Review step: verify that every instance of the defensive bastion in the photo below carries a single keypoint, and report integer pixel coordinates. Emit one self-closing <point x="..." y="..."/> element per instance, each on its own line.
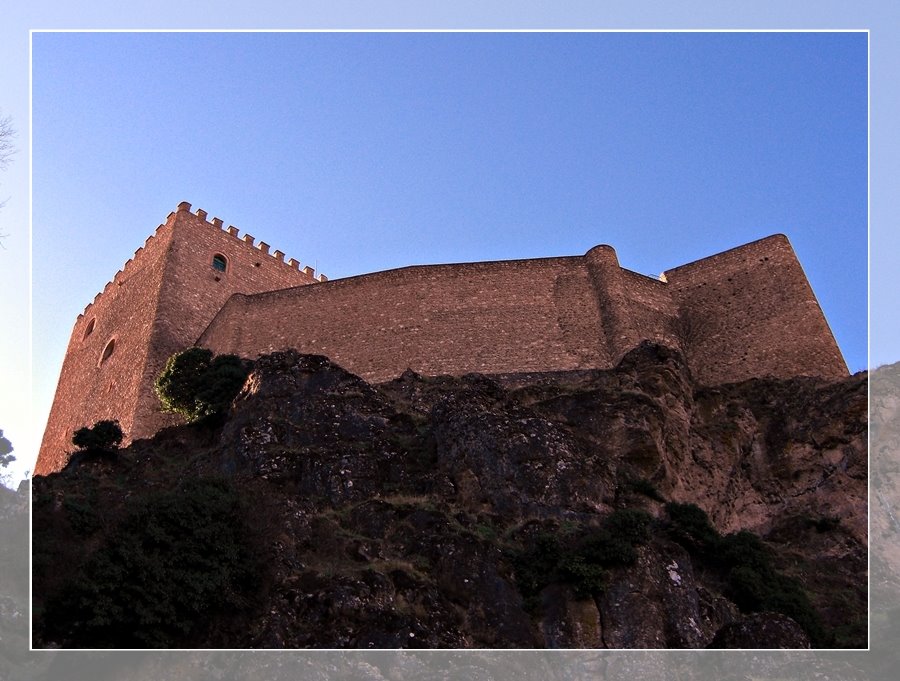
<point x="740" y="314"/>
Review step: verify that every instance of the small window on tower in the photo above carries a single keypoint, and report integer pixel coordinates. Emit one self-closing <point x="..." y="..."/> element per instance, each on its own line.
<point x="219" y="263"/>
<point x="89" y="330"/>
<point x="108" y="350"/>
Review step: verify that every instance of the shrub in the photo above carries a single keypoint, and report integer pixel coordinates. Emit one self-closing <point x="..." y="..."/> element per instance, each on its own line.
<point x="103" y="435"/>
<point x="645" y="487"/>
<point x="614" y="543"/>
<point x="82" y="513"/>
<point x="827" y="523"/>
<point x="585" y="577"/>
<point x="690" y="526"/>
<point x="195" y="384"/>
<point x="179" y="559"/>
<point x="751" y="580"/>
<point x="629" y="525"/>
<point x="534" y="567"/>
<point x="762" y="588"/>
<point x="582" y="558"/>
<point x="746" y="549"/>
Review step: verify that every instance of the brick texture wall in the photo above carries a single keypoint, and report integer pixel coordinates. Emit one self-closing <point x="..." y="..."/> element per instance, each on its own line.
<point x="90" y="390"/>
<point x="158" y="304"/>
<point x="742" y="313"/>
<point x="525" y="315"/>
<point x="192" y="292"/>
<point x="756" y="313"/>
<point x="753" y="310"/>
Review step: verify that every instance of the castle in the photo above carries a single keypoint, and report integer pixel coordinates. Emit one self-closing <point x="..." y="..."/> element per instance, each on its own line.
<point x="743" y="313"/>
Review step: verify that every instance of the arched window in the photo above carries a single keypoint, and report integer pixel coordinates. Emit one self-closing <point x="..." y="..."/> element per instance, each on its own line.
<point x="219" y="262"/>
<point x="89" y="330"/>
<point x="108" y="350"/>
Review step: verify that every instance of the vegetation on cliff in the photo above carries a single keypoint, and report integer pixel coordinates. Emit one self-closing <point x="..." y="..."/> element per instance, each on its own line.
<point x="103" y="435"/>
<point x="622" y="508"/>
<point x="196" y="384"/>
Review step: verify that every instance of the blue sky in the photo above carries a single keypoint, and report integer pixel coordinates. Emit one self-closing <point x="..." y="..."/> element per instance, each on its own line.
<point x="356" y="152"/>
<point x="677" y="157"/>
<point x="367" y="151"/>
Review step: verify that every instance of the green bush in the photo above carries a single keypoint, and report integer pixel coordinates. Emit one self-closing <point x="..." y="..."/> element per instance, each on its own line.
<point x="585" y="577"/>
<point x="535" y="566"/>
<point x="630" y="525"/>
<point x="764" y="589"/>
<point x="615" y="542"/>
<point x="82" y="513"/>
<point x="827" y="523"/>
<point x="751" y="580"/>
<point x="746" y="549"/>
<point x="690" y="526"/>
<point x="177" y="560"/>
<point x="582" y="558"/>
<point x="645" y="487"/>
<point x="195" y="384"/>
<point x="103" y="435"/>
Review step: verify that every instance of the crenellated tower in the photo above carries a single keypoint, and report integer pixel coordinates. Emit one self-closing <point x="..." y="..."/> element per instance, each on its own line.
<point x="157" y="304"/>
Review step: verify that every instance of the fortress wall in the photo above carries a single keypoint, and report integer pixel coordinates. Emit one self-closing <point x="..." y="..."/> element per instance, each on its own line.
<point x="88" y="390"/>
<point x="512" y="316"/>
<point x="744" y="313"/>
<point x="193" y="292"/>
<point x="650" y="307"/>
<point x="156" y="305"/>
<point x="754" y="314"/>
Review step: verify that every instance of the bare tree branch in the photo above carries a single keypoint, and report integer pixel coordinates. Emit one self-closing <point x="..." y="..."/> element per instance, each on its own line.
<point x="690" y="328"/>
<point x="7" y="133"/>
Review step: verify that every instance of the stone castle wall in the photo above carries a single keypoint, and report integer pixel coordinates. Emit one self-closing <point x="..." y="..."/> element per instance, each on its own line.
<point x="757" y="315"/>
<point x="739" y="314"/>
<point x="192" y="292"/>
<point x="487" y="317"/>
<point x="91" y="388"/>
<point x="158" y="304"/>
<point x="751" y="309"/>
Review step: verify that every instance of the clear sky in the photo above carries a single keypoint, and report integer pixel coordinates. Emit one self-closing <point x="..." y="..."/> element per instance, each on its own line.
<point x="359" y="152"/>
<point x="363" y="151"/>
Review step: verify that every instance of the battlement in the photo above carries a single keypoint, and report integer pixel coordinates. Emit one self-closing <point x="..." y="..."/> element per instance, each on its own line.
<point x="261" y="248"/>
<point x="199" y="216"/>
<point x="127" y="269"/>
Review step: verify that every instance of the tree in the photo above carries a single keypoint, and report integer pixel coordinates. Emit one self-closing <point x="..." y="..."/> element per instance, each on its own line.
<point x="6" y="458"/>
<point x="7" y="132"/>
<point x="195" y="384"/>
<point x="690" y="329"/>
<point x="103" y="436"/>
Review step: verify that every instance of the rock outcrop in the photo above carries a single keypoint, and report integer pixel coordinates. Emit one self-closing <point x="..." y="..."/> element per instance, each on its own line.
<point x="624" y="508"/>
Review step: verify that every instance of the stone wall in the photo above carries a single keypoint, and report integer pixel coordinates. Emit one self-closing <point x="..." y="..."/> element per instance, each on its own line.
<point x="756" y="315"/>
<point x="193" y="291"/>
<point x="91" y="390"/>
<point x="158" y="304"/>
<point x="751" y="313"/>
<point x="525" y="315"/>
<point x="743" y="313"/>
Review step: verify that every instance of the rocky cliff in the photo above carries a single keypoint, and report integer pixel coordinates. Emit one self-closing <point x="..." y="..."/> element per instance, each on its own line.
<point x="627" y="508"/>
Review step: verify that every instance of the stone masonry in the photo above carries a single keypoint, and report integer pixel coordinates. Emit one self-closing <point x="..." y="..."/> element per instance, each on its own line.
<point x="158" y="304"/>
<point x="743" y="313"/>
